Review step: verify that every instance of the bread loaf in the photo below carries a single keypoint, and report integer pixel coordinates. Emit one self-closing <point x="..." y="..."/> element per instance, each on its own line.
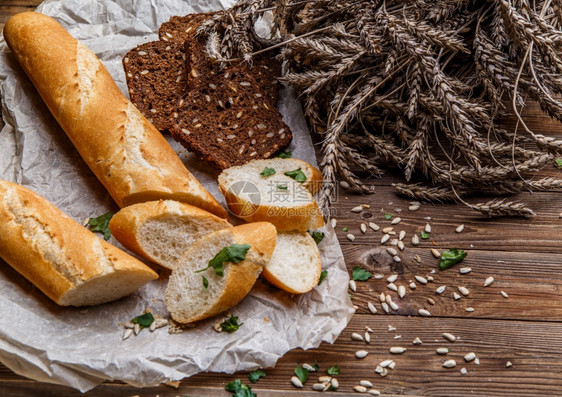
<point x="127" y="153"/>
<point x="70" y="264"/>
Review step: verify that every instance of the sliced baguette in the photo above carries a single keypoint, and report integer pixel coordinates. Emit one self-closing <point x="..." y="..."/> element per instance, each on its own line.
<point x="186" y="298"/>
<point x="161" y="231"/>
<point x="67" y="262"/>
<point x="295" y="264"/>
<point x="255" y="198"/>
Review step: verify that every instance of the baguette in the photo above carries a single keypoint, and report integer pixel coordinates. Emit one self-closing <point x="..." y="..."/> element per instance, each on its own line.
<point x="188" y="300"/>
<point x="128" y="155"/>
<point x="67" y="262"/>
<point x="161" y="231"/>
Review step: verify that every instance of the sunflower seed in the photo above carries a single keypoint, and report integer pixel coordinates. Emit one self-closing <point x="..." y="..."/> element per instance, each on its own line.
<point x="385" y="363"/>
<point x="417" y="341"/>
<point x="449" y="337"/>
<point x="436" y="253"/>
<point x="296" y="382"/>
<point x="397" y="350"/>
<point x="450" y="364"/>
<point x="360" y="389"/>
<point x="363" y="228"/>
<point x="368" y="329"/>
<point x="440" y="289"/>
<point x="463" y="290"/>
<point x="412" y="285"/>
<point x="413" y="207"/>
<point x="374" y="226"/>
<point x="388" y="299"/>
<point x="423" y="312"/>
<point x="365" y="383"/>
<point x="396" y="259"/>
<point x="385" y="307"/>
<point x="353" y="285"/>
<point x="129" y="324"/>
<point x="430" y="301"/>
<point x="393" y="305"/>
<point x="392" y="252"/>
<point x="417" y="258"/>
<point x="401" y="291"/>
<point x="367" y="337"/>
<point x="334" y="222"/>
<point x="477" y="361"/>
<point x="361" y="353"/>
<point x="391" y="328"/>
<point x="396" y="221"/>
<point x="388" y="230"/>
<point x="382" y="297"/>
<point x="508" y="364"/>
<point x="128" y="332"/>
<point x="309" y="367"/>
<point x="392" y="365"/>
<point x="442" y="350"/>
<point x="356" y="336"/>
<point x="459" y="228"/>
<point x="469" y="309"/>
<point x="427" y="228"/>
<point x="334" y="383"/>
<point x="463" y="371"/>
<point x="415" y="240"/>
<point x="385" y="238"/>
<point x="378" y="276"/>
<point x="392" y="287"/>
<point x="324" y="379"/>
<point x="344" y="185"/>
<point x="394" y="242"/>
<point x="429" y="278"/>
<point x="158" y="323"/>
<point x="401" y="235"/>
<point x="318" y="387"/>
<point x="371" y="307"/>
<point x="420" y="279"/>
<point x="397" y="336"/>
<point x="465" y="270"/>
<point x="137" y="329"/>
<point x="393" y="277"/>
<point x="357" y="209"/>
<point x="384" y="372"/>
<point x="456" y="296"/>
<point x="350" y="237"/>
<point x="488" y="281"/>
<point x="469" y="357"/>
<point x="374" y="392"/>
<point x="504" y="294"/>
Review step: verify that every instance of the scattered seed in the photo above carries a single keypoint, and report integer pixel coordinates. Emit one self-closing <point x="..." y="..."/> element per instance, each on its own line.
<point x="417" y="258"/>
<point x="450" y="364"/>
<point x="324" y="379"/>
<point x="401" y="235"/>
<point x="463" y="371"/>
<point x="158" y="323"/>
<point x="477" y="361"/>
<point x="361" y="353"/>
<point x="488" y="281"/>
<point x="128" y="332"/>
<point x="334" y="383"/>
<point x="374" y="226"/>
<point x="392" y="287"/>
<point x="469" y="309"/>
<point x="508" y="364"/>
<point x="449" y="337"/>
<point x="469" y="357"/>
<point x="363" y="228"/>
<point x="385" y="307"/>
<point x="396" y="259"/>
<point x="129" y="324"/>
<point x="356" y="336"/>
<point x="334" y="222"/>
<point x="384" y="372"/>
<point x="396" y="221"/>
<point x="353" y="285"/>
<point x="350" y="237"/>
<point x="465" y="270"/>
<point x="367" y="337"/>
<point x="459" y="228"/>
<point x="378" y="276"/>
<point x="417" y="341"/>
<point x="378" y="369"/>
<point x="393" y="305"/>
<point x="296" y="382"/>
<point x="385" y="363"/>
<point x="357" y="209"/>
<point x="463" y="290"/>
<point x="413" y="207"/>
<point x="391" y="328"/>
<point x="371" y="307"/>
<point x="360" y="389"/>
<point x="137" y="329"/>
<point x="374" y="392"/>
<point x="382" y="297"/>
<point x="388" y="229"/>
<point x="442" y="350"/>
<point x="385" y="238"/>
<point x="397" y="336"/>
<point x="318" y="387"/>
<point x="397" y="350"/>
<point x="504" y="294"/>
<point x="440" y="289"/>
<point x="430" y="301"/>
<point x="401" y="245"/>
<point x="415" y="240"/>
<point x="456" y="296"/>
<point x="368" y="329"/>
<point x="365" y="383"/>
<point x="427" y="228"/>
<point x="436" y="253"/>
<point x="401" y="291"/>
<point x="423" y="312"/>
<point x="429" y="278"/>
<point x="392" y="365"/>
<point x="344" y="185"/>
<point x="420" y="279"/>
<point x="412" y="285"/>
<point x="309" y="367"/>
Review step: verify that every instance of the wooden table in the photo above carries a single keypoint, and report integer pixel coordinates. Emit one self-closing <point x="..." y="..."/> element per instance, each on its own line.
<point x="524" y="257"/>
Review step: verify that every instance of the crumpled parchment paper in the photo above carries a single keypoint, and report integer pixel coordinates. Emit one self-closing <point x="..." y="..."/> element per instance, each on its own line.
<point x="82" y="347"/>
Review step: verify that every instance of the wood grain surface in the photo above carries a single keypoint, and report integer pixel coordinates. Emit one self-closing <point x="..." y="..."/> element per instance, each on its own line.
<point x="523" y="255"/>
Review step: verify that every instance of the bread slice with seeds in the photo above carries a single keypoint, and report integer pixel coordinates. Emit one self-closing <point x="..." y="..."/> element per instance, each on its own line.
<point x="256" y="194"/>
<point x="226" y="121"/>
<point x="194" y="294"/>
<point x="181" y="28"/>
<point x="161" y="231"/>
<point x="295" y="264"/>
<point x="156" y="74"/>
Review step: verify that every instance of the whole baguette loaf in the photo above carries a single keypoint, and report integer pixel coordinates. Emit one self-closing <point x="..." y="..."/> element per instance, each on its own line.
<point x="127" y="153"/>
<point x="70" y="264"/>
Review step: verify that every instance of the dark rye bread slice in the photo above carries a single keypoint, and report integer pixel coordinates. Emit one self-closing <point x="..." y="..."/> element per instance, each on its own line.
<point x="226" y="121"/>
<point x="181" y="28"/>
<point x="156" y="76"/>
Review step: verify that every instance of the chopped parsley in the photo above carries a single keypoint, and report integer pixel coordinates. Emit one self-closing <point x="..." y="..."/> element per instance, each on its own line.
<point x="335" y="370"/>
<point x="254" y="376"/>
<point x="360" y="274"/>
<point x="205" y="282"/>
<point x="285" y="155"/>
<point x="282" y="187"/>
<point x="267" y="172"/>
<point x="101" y="224"/>
<point x="144" y="320"/>
<point x="424" y="235"/>
<point x="451" y="257"/>
<point x="233" y="253"/>
<point x="318" y="237"/>
<point x="301" y="373"/>
<point x="323" y="276"/>
<point x="297" y="175"/>
<point x="388" y="216"/>
<point x="239" y="389"/>
<point x="558" y="162"/>
<point x="230" y="325"/>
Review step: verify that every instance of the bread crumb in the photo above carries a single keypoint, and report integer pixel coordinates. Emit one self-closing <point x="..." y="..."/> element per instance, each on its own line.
<point x="266" y="319"/>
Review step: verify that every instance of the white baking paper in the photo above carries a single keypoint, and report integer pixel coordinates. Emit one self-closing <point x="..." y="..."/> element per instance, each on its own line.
<point x="81" y="347"/>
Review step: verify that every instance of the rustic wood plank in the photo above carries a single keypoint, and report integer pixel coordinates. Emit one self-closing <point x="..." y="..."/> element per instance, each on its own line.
<point x="12" y="7"/>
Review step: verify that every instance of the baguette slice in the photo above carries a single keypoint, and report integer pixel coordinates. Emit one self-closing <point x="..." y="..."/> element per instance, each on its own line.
<point x="70" y="264"/>
<point x="295" y="265"/>
<point x="186" y="298"/>
<point x="127" y="154"/>
<point x="277" y="198"/>
<point x="161" y="231"/>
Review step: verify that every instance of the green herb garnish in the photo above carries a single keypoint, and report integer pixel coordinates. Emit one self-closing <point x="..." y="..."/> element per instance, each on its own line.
<point x="233" y="253"/>
<point x="239" y="389"/>
<point x="101" y="224"/>
<point x="323" y="276"/>
<point x="424" y="235"/>
<point x="285" y="155"/>
<point x="350" y="296"/>
<point x="205" y="282"/>
<point x="254" y="376"/>
<point x="231" y="324"/>
<point x="297" y="175"/>
<point x="388" y="216"/>
<point x="451" y="257"/>
<point x="282" y="187"/>
<point x="302" y="373"/>
<point x="345" y="229"/>
<point x="267" y="172"/>
<point x="360" y="274"/>
<point x="318" y="237"/>
<point x="558" y="162"/>
<point x="335" y="370"/>
<point x="144" y="320"/>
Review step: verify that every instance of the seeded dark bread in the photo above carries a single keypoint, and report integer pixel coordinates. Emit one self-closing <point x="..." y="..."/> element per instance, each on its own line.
<point x="181" y="28"/>
<point x="156" y="78"/>
<point x="227" y="121"/>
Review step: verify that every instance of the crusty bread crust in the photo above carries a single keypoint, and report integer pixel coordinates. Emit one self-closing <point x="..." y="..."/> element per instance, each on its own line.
<point x="128" y="155"/>
<point x="57" y="254"/>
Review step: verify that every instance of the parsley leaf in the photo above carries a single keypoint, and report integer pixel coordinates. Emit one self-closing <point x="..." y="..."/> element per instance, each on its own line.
<point x="267" y="172"/>
<point x="345" y="229"/>
<point x="318" y="237"/>
<point x="239" y="389"/>
<point x="144" y="320"/>
<point x="254" y="376"/>
<point x="335" y="370"/>
<point x="558" y="162"/>
<point x="388" y="216"/>
<point x="323" y="276"/>
<point x="230" y="325"/>
<point x="233" y="253"/>
<point x="101" y="224"/>
<point x="360" y="274"/>
<point x="302" y="373"/>
<point x="424" y="235"/>
<point x="282" y="187"/>
<point x="297" y="175"/>
<point x="285" y="155"/>
<point x="451" y="257"/>
<point x="205" y="282"/>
